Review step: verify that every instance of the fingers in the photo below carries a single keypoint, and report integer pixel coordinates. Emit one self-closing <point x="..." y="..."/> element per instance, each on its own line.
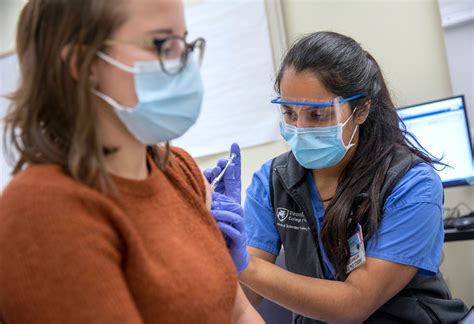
<point x="218" y="198"/>
<point x="226" y="216"/>
<point x="231" y="182"/>
<point x="211" y="173"/>
<point x="220" y="187"/>
<point x="222" y="163"/>
<point x="231" y="172"/>
<point x="234" y="170"/>
<point x="208" y="175"/>
<point x="215" y="171"/>
<point x="233" y="219"/>
<point x="235" y="148"/>
<point x="230" y="232"/>
<point x="229" y="207"/>
<point x="228" y="241"/>
<point x="224" y="202"/>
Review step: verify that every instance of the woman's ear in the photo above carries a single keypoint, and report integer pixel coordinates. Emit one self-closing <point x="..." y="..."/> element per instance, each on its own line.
<point x="363" y="112"/>
<point x="94" y="73"/>
<point x="69" y="56"/>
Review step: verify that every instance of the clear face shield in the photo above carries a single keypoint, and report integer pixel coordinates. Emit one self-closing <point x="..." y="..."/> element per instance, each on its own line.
<point x="306" y="113"/>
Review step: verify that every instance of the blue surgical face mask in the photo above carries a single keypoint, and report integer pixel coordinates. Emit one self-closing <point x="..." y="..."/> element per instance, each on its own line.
<point x="168" y="105"/>
<point x="317" y="147"/>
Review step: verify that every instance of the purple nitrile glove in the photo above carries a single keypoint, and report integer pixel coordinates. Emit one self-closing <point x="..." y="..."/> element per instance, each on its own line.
<point x="231" y="184"/>
<point x="229" y="217"/>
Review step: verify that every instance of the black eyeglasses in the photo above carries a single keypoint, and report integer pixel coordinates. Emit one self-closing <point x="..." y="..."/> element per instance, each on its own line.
<point x="173" y="51"/>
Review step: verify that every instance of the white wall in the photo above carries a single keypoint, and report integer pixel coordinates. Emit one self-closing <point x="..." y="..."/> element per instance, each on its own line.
<point x="9" y="11"/>
<point x="404" y="36"/>
<point x="458" y="24"/>
<point x="460" y="48"/>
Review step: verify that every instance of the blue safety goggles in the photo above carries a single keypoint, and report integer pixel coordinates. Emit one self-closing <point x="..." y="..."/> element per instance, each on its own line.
<point x="332" y="102"/>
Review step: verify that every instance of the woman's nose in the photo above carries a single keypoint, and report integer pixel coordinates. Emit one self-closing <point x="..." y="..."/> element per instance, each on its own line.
<point x="302" y="122"/>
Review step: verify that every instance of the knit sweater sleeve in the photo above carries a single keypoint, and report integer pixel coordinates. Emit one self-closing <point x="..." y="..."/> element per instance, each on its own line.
<point x="59" y="259"/>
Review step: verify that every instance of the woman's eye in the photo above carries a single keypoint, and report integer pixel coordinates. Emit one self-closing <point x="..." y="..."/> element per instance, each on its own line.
<point x="166" y="50"/>
<point x="150" y="45"/>
<point x="290" y="115"/>
<point x="320" y="116"/>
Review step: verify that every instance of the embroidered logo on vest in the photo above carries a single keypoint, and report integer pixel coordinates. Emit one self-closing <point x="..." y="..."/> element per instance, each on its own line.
<point x="282" y="214"/>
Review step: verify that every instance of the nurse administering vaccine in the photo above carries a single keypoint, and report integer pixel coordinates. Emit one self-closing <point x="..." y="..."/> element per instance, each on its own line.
<point x="355" y="205"/>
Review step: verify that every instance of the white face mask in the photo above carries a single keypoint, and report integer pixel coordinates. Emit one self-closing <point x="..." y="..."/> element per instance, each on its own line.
<point x="168" y="105"/>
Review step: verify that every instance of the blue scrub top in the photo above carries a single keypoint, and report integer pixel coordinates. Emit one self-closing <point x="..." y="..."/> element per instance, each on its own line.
<point x="411" y="231"/>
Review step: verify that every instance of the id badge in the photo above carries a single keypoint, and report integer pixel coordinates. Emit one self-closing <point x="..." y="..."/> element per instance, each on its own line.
<point x="356" y="250"/>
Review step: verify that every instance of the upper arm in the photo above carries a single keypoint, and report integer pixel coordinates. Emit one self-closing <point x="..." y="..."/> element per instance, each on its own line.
<point x="411" y="230"/>
<point x="61" y="263"/>
<point x="258" y="214"/>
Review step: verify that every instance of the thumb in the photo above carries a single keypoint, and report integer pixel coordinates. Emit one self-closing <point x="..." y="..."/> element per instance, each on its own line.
<point x="235" y="148"/>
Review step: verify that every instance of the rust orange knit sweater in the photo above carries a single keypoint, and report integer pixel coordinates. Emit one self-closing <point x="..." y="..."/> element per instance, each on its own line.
<point x="153" y="254"/>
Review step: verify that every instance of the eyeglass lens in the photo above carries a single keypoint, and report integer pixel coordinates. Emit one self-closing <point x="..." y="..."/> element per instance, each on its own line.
<point x="174" y="53"/>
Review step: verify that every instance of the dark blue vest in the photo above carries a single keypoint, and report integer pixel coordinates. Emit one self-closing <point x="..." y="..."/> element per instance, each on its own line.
<point x="426" y="299"/>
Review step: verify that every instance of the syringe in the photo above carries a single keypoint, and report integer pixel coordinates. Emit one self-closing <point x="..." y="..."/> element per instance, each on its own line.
<point x="215" y="182"/>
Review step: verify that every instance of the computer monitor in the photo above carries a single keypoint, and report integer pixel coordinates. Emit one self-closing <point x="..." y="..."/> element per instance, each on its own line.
<point x="442" y="129"/>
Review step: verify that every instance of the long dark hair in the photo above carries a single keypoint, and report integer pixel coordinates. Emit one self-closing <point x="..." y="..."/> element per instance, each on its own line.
<point x="346" y="69"/>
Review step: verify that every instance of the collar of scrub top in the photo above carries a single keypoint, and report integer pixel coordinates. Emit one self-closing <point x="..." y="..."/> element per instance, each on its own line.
<point x="314" y="104"/>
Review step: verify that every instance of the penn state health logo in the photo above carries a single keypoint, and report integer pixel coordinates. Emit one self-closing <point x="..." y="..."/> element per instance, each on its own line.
<point x="282" y="214"/>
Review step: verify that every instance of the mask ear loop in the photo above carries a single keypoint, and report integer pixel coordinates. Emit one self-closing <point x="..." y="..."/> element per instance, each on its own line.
<point x="107" y="99"/>
<point x="116" y="63"/>
<point x="114" y="104"/>
<point x="348" y="146"/>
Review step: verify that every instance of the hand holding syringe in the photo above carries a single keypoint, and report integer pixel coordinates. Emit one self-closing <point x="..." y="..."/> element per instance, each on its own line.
<point x="215" y="182"/>
<point x="225" y="178"/>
